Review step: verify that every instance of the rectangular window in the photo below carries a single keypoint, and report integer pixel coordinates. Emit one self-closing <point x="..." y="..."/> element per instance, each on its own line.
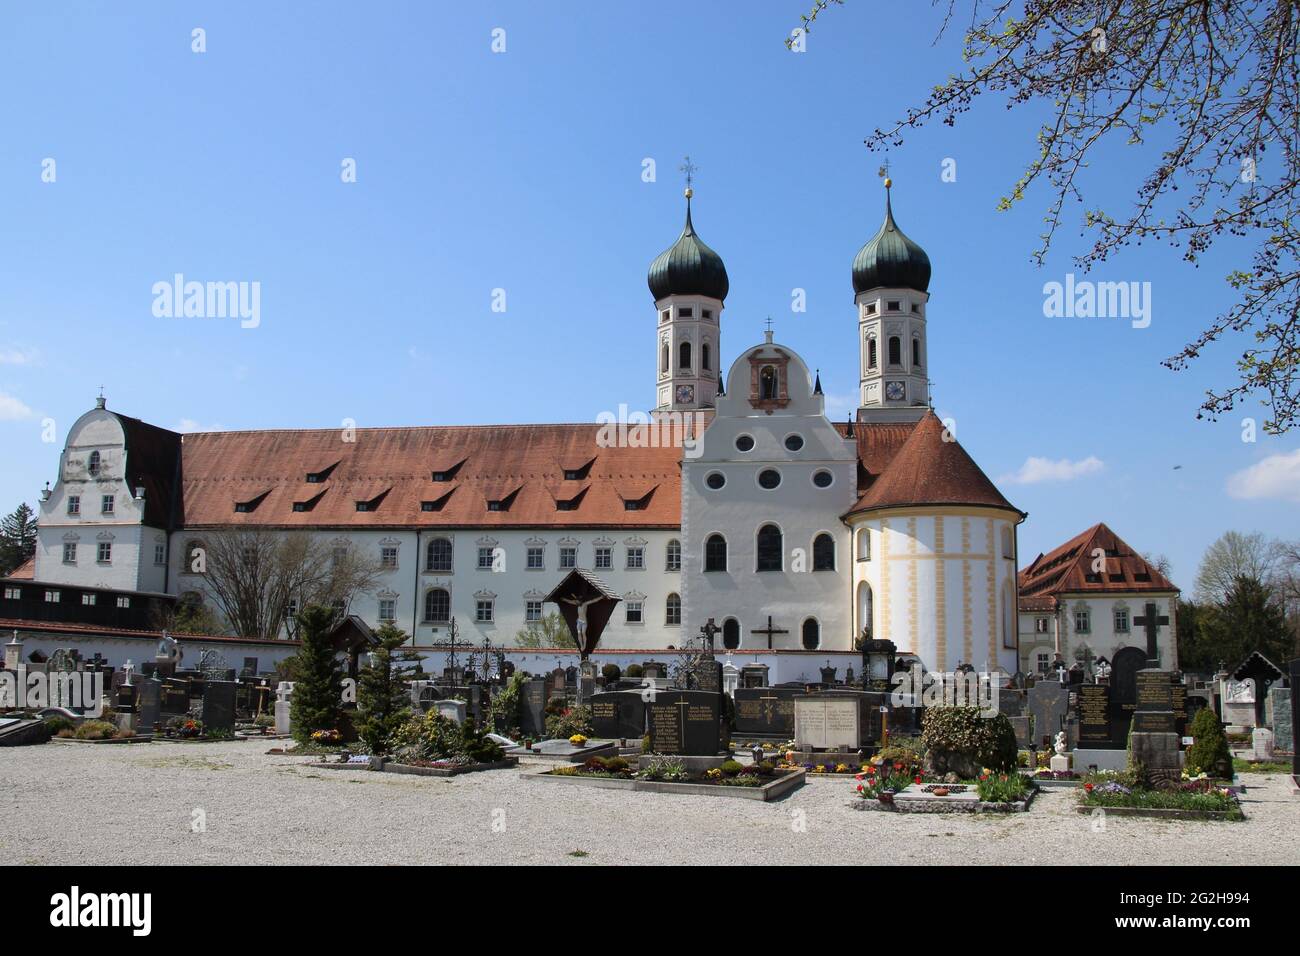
<point x="1121" y="620"/>
<point x="1041" y="624"/>
<point x="685" y="313"/>
<point x="536" y="557"/>
<point x="69" y="554"/>
<point x="485" y="558"/>
<point x="633" y="612"/>
<point x="673" y="561"/>
<point x="106" y="504"/>
<point x="635" y="559"/>
<point x="1082" y="622"/>
<point x="706" y="313"/>
<point x="483" y="611"/>
<point x="568" y="557"/>
<point x="13" y="594"/>
<point x="1044" y="661"/>
<point x="363" y="506"/>
<point x="74" y="504"/>
<point x="52" y="597"/>
<point x="160" y="554"/>
<point x="88" y="600"/>
<point x="387" y="609"/>
<point x="532" y="610"/>
<point x="124" y="602"/>
<point x="388" y="556"/>
<point x="892" y="305"/>
<point x="604" y="558"/>
<point x="871" y="308"/>
<point x="105" y="553"/>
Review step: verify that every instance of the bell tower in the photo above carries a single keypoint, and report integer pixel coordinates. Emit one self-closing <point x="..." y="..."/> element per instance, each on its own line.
<point x="688" y="283"/>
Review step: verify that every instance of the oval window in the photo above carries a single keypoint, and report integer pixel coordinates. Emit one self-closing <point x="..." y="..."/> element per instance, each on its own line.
<point x="822" y="479"/>
<point x="793" y="442"/>
<point x="715" y="480"/>
<point x="745" y="443"/>
<point x="769" y="478"/>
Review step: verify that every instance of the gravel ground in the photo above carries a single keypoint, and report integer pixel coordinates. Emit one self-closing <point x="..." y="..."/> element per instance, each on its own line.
<point x="139" y="801"/>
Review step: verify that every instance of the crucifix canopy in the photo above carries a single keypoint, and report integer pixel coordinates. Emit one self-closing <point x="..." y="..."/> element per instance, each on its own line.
<point x="584" y="598"/>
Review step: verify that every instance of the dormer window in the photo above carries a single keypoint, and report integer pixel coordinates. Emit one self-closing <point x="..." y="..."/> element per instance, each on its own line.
<point x="447" y="474"/>
<point x="244" y="507"/>
<point x="316" y="477"/>
<point x="372" y="504"/>
<point x="93" y="465"/>
<point x="631" y="506"/>
<point x="496" y="505"/>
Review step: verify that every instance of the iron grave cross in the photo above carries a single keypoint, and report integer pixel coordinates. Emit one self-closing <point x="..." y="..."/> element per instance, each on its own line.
<point x="769" y="631"/>
<point x="1152" y="622"/>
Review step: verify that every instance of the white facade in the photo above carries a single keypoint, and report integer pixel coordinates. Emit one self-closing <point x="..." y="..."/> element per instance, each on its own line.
<point x="939" y="582"/>
<point x="1089" y="626"/>
<point x="91" y="527"/>
<point x="894" y="354"/>
<point x="690" y="340"/>
<point x="744" y="441"/>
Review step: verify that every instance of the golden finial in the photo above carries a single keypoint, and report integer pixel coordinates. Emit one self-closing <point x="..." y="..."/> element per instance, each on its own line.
<point x="689" y="192"/>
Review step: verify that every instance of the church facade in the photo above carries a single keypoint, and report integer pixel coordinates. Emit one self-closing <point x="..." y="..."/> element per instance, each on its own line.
<point x="788" y="531"/>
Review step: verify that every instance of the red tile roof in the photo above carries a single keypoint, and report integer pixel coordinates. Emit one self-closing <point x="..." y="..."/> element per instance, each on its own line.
<point x="925" y="469"/>
<point x="1068" y="570"/>
<point x="520" y="466"/>
<point x="25" y="571"/>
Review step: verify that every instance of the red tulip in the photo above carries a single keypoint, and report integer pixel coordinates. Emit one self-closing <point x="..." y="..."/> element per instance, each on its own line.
<point x="918" y="779"/>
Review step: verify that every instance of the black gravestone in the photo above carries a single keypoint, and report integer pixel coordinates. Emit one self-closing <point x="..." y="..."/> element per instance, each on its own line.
<point x="706" y="674"/>
<point x="687" y="723"/>
<point x="765" y="711"/>
<point x="618" y="715"/>
<point x="219" y="706"/>
<point x="1098" y="728"/>
<point x="147" y="704"/>
<point x="532" y="708"/>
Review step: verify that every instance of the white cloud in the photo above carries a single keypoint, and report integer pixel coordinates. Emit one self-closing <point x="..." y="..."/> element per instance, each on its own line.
<point x="1036" y="470"/>
<point x="12" y="410"/>
<point x="1277" y="476"/>
<point x="190" y="425"/>
<point x="16" y="356"/>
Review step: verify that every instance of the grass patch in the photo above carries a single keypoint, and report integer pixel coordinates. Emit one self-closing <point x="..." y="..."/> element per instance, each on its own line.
<point x="1263" y="766"/>
<point x="579" y="853"/>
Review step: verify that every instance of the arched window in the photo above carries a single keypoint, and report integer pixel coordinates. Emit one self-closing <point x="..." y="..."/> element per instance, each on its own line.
<point x="715" y="553"/>
<point x="895" y="350"/>
<point x="916" y="352"/>
<point x="663" y="360"/>
<point x="823" y="553"/>
<point x="93" y="466"/>
<point x="673" y="610"/>
<point x="684" y="355"/>
<point x="767" y="383"/>
<point x="871" y="353"/>
<point x="1008" y="615"/>
<point x="866" y="611"/>
<point x="706" y="358"/>
<point x="437" y="606"/>
<point x="812" y="634"/>
<point x="769" y="548"/>
<point x="438" y="555"/>
<point x="731" y="634"/>
<point x="673" y="557"/>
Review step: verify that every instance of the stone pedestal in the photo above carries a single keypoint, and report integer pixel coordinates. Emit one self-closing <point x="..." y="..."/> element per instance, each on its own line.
<point x="283" y="724"/>
<point x="1262" y="744"/>
<point x="1059" y="763"/>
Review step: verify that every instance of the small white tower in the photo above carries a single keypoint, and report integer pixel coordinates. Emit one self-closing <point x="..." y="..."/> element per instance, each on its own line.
<point x="891" y="274"/>
<point x="689" y="283"/>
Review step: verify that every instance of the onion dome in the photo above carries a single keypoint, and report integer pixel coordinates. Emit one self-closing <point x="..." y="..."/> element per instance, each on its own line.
<point x="890" y="260"/>
<point x="688" y="267"/>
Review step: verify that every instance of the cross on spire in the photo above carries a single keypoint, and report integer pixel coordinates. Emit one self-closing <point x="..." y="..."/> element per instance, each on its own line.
<point x="883" y="172"/>
<point x="688" y="168"/>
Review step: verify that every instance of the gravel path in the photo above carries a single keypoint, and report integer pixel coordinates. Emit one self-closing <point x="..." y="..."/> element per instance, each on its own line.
<point x="77" y="804"/>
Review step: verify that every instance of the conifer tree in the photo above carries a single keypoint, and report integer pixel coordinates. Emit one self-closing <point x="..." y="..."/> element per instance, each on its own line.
<point x="383" y="703"/>
<point x="318" y="693"/>
<point x="17" y="538"/>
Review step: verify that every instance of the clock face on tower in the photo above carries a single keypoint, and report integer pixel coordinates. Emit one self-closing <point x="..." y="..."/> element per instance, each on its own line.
<point x="894" y="391"/>
<point x="685" y="394"/>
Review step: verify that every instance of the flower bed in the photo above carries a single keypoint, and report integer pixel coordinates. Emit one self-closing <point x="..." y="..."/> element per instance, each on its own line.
<point x="992" y="792"/>
<point x="1189" y="799"/>
<point x="667" y="775"/>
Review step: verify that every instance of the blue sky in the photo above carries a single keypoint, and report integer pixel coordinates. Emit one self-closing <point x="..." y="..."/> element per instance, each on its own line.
<point x="522" y="171"/>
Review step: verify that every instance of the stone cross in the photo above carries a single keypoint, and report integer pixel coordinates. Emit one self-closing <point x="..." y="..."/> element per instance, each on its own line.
<point x="1152" y="622"/>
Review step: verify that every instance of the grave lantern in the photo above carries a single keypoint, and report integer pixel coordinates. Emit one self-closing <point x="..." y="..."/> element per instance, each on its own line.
<point x="878" y="663"/>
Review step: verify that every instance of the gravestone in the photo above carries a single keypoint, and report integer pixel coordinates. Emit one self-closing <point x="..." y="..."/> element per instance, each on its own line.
<point x="765" y="711"/>
<point x="1154" y="742"/>
<point x="1261" y="744"/>
<point x="1279" y="699"/>
<point x="1024" y="736"/>
<point x="1049" y="704"/>
<point x="219" y="706"/>
<point x="706" y="674"/>
<point x="618" y="715"/>
<point x="1101" y="727"/>
<point x="754" y="675"/>
<point x="532" y="708"/>
<point x="555" y="683"/>
<point x="283" y="721"/>
<point x="686" y="723"/>
<point x="453" y="709"/>
<point x="1011" y="701"/>
<point x="148" y="697"/>
<point x="655" y="669"/>
<point x="1239" y="704"/>
<point x="828" y="722"/>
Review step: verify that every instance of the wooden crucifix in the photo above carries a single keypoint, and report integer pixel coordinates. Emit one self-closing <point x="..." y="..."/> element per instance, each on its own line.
<point x="769" y="631"/>
<point x="1151" y="621"/>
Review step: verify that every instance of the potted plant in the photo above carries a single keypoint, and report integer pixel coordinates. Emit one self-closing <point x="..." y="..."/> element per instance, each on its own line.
<point x="578" y="740"/>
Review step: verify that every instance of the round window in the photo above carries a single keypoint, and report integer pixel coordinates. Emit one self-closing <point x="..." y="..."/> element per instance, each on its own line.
<point x="822" y="479"/>
<point x="769" y="478"/>
<point x="715" y="480"/>
<point x="745" y="443"/>
<point x="793" y="442"/>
